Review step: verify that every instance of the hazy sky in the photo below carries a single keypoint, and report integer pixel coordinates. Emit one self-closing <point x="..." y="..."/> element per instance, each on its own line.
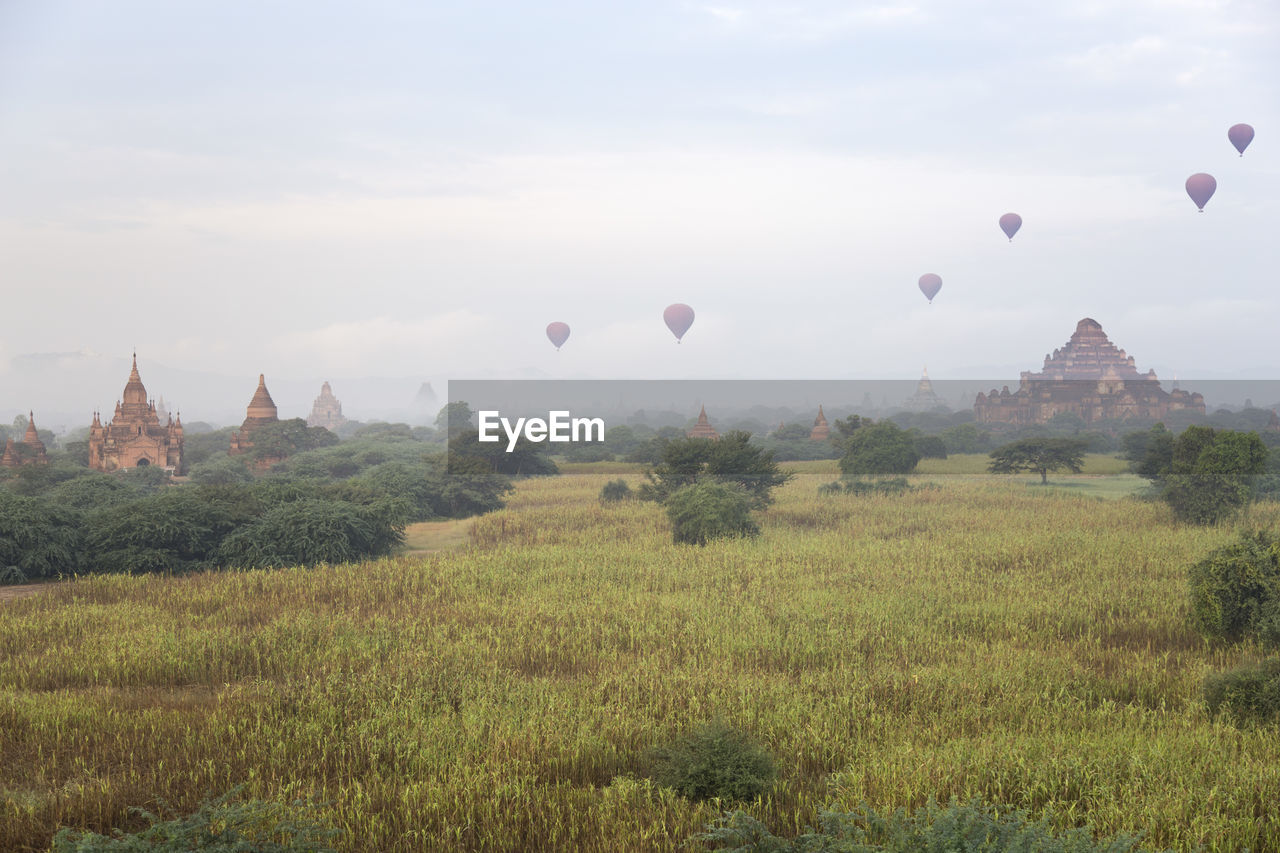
<point x="314" y="189"/>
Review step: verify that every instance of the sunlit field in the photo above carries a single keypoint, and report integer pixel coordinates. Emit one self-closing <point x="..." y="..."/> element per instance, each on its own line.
<point x="987" y="637"/>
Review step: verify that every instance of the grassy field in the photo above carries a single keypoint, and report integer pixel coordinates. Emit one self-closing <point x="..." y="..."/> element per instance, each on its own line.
<point x="986" y="637"/>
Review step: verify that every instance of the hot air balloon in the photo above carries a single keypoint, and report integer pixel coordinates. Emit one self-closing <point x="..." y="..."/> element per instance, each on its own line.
<point x="1009" y="224"/>
<point x="1240" y="135"/>
<point x="930" y="284"/>
<point x="558" y="333"/>
<point x="678" y="317"/>
<point x="1201" y="187"/>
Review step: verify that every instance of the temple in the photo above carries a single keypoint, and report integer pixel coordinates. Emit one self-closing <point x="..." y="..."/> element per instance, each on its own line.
<point x="135" y="437"/>
<point x="326" y="411"/>
<point x="924" y="399"/>
<point x="260" y="412"/>
<point x="821" y="430"/>
<point x="703" y="428"/>
<point x="1088" y="377"/>
<point x="29" y="451"/>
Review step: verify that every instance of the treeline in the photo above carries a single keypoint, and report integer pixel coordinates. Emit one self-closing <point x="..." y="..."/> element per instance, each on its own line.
<point x="336" y="503"/>
<point x="935" y="435"/>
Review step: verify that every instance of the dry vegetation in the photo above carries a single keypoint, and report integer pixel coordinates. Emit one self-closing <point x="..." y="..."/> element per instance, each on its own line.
<point x="984" y="638"/>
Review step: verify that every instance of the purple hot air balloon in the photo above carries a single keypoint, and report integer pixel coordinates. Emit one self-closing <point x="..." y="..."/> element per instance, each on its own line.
<point x="678" y="317"/>
<point x="558" y="333"/>
<point x="930" y="284"/>
<point x="1009" y="224"/>
<point x="1201" y="188"/>
<point x="1240" y="135"/>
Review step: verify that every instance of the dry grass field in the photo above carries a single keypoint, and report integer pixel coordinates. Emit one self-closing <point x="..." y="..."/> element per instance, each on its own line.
<point x="982" y="638"/>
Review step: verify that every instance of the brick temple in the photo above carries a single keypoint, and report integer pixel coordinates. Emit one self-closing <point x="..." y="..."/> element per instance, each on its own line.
<point x="135" y="437"/>
<point x="1088" y="377"/>
<point x="29" y="451"/>
<point x="703" y="428"/>
<point x="260" y="412"/>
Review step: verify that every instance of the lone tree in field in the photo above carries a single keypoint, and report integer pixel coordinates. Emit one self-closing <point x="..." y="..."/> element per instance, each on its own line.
<point x="731" y="459"/>
<point x="876" y="449"/>
<point x="1041" y="455"/>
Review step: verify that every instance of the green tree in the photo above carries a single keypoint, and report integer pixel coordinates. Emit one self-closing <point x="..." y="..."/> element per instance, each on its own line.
<point x="454" y="418"/>
<point x="730" y="459"/>
<point x="1211" y="475"/>
<point x="526" y="459"/>
<point x="1040" y="455"/>
<point x="41" y="538"/>
<point x="172" y="532"/>
<point x="1235" y="591"/>
<point x="307" y="532"/>
<point x="879" y="448"/>
<point x="285" y="438"/>
<point x="221" y="470"/>
<point x="704" y="511"/>
<point x="966" y="438"/>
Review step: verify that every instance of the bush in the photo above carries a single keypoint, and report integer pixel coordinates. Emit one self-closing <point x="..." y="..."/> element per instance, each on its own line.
<point x="882" y="448"/>
<point x="218" y="826"/>
<point x="706" y="511"/>
<point x="1248" y="692"/>
<point x="731" y="460"/>
<point x="307" y="532"/>
<point x="972" y="826"/>
<point x="1235" y="591"/>
<point x="714" y="761"/>
<point x="615" y="490"/>
<point x="11" y="575"/>
<point x="931" y="447"/>
<point x="887" y="486"/>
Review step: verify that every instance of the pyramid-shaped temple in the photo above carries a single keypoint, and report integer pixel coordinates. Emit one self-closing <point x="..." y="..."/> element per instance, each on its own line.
<point x="1088" y="377"/>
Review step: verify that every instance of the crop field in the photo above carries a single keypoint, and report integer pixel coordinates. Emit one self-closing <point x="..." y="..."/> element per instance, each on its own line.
<point x="982" y="638"/>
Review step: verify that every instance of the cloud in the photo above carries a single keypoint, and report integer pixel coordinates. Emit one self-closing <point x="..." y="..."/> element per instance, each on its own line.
<point x="821" y="22"/>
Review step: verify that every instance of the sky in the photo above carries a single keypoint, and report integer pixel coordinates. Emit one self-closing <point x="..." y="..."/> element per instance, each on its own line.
<point x="318" y="190"/>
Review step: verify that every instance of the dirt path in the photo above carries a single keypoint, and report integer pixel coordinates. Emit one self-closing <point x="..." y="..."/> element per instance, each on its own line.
<point x="22" y="590"/>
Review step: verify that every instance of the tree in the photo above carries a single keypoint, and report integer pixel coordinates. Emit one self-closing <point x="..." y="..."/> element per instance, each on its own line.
<point x="285" y="438"/>
<point x="454" y="418"/>
<point x="41" y="538"/>
<point x="880" y="448"/>
<point x="1204" y="474"/>
<point x="1040" y="455"/>
<point x="966" y="438"/>
<point x="1212" y="472"/>
<point x="705" y="511"/>
<point x="307" y="532"/>
<point x="526" y="459"/>
<point x="730" y="459"/>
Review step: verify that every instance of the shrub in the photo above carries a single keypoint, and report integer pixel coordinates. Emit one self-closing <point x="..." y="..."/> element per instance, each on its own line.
<point x="1235" y="591"/>
<point x="973" y="826"/>
<point x="931" y="447"/>
<point x="218" y="826"/>
<point x="714" y="760"/>
<point x="706" y="511"/>
<point x="1249" y="692"/>
<point x="882" y="448"/>
<point x="42" y="539"/>
<point x="307" y="532"/>
<point x="615" y="490"/>
<point x="731" y="460"/>
<point x="887" y="486"/>
<point x="11" y="575"/>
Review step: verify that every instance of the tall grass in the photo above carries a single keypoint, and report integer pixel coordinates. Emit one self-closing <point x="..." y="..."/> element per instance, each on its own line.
<point x="980" y="639"/>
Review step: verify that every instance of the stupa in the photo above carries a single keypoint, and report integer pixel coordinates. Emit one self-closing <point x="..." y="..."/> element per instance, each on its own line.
<point x="703" y="428"/>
